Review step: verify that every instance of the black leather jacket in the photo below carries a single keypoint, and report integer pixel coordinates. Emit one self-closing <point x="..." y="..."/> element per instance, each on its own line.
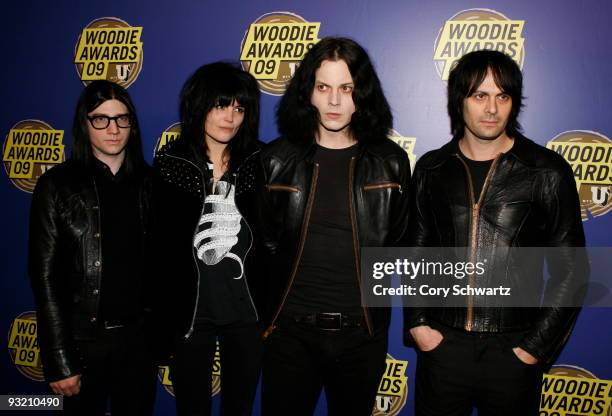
<point x="379" y="180"/>
<point x="64" y="262"/>
<point x="529" y="199"/>
<point x="178" y="198"/>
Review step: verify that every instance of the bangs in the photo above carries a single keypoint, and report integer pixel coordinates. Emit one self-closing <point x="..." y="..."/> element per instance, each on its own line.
<point x="227" y="90"/>
<point x="478" y="77"/>
<point x="502" y="80"/>
<point x="226" y="101"/>
<point x="506" y="81"/>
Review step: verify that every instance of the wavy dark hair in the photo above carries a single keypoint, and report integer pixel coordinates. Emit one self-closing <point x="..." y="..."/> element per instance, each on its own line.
<point x="219" y="83"/>
<point x="469" y="72"/>
<point x="91" y="98"/>
<point x="298" y="119"/>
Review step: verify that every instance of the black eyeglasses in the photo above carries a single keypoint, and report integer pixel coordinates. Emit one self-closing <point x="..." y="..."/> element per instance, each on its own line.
<point x="101" y="122"/>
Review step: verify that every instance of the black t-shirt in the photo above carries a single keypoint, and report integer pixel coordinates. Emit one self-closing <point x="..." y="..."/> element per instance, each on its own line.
<point x="326" y="279"/>
<point x="478" y="170"/>
<point x="121" y="241"/>
<point x="220" y="246"/>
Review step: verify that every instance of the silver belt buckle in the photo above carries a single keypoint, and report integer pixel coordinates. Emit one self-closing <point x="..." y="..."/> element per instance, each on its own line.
<point x="335" y="316"/>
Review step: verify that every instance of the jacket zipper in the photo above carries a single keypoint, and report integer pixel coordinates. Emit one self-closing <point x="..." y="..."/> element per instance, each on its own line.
<point x="356" y="246"/>
<point x="474" y="222"/>
<point x="305" y="223"/>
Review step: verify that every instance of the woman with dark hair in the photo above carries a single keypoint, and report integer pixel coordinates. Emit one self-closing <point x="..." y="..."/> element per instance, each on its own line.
<point x="88" y="227"/>
<point x="205" y="240"/>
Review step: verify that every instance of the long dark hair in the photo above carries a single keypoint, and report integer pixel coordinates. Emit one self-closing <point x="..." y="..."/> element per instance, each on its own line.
<point x="219" y="83"/>
<point x="467" y="76"/>
<point x="91" y="98"/>
<point x="298" y="119"/>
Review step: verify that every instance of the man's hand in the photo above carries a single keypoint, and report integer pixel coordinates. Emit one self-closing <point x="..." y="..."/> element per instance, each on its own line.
<point x="524" y="356"/>
<point x="426" y="338"/>
<point x="68" y="387"/>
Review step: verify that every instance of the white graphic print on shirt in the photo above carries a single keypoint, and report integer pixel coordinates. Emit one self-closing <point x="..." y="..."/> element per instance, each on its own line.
<point x="219" y="227"/>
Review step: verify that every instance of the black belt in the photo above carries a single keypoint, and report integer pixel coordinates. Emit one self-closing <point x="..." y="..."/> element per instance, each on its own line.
<point x="330" y="321"/>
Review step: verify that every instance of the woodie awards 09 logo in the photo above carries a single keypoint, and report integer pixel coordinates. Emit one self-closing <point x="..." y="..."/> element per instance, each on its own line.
<point x="407" y="143"/>
<point x="171" y="133"/>
<point x="474" y="30"/>
<point x="165" y="377"/>
<point x="590" y="155"/>
<point x="23" y="346"/>
<point x="109" y="48"/>
<point x="274" y="45"/>
<point x="31" y="147"/>
<point x="393" y="389"/>
<point x="569" y="390"/>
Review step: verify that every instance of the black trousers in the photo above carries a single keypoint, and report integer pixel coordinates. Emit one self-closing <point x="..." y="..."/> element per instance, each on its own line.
<point x="300" y="360"/>
<point x="118" y="366"/>
<point x="240" y="349"/>
<point x="471" y="370"/>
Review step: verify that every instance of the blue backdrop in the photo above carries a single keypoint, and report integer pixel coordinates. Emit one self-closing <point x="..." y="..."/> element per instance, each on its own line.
<point x="565" y="57"/>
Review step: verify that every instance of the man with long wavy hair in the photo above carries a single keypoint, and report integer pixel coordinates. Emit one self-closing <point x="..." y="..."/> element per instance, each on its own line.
<point x="333" y="183"/>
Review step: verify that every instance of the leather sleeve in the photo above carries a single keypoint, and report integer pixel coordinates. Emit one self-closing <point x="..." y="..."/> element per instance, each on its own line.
<point x="248" y="191"/>
<point x="145" y="207"/>
<point x="264" y="209"/>
<point x="418" y="235"/>
<point x="401" y="206"/>
<point x="159" y="263"/>
<point x="267" y="242"/>
<point x="59" y="355"/>
<point x="568" y="268"/>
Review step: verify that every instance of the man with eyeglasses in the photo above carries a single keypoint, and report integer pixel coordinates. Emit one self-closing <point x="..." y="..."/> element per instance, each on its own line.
<point x="88" y="229"/>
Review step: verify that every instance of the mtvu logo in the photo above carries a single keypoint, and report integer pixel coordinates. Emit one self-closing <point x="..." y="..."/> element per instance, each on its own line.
<point x="383" y="403"/>
<point x="600" y="194"/>
<point x="123" y="71"/>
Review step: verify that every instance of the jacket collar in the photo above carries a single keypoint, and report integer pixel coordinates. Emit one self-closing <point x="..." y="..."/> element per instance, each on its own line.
<point x="306" y="150"/>
<point x="522" y="150"/>
<point x="180" y="148"/>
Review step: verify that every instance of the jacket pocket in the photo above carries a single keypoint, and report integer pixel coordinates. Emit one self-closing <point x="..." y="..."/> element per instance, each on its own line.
<point x="281" y="187"/>
<point x="382" y="185"/>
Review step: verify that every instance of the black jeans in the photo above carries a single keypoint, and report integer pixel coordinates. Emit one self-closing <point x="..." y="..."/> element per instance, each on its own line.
<point x="240" y="349"/>
<point x="471" y="370"/>
<point x="118" y="366"/>
<point x="300" y="360"/>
